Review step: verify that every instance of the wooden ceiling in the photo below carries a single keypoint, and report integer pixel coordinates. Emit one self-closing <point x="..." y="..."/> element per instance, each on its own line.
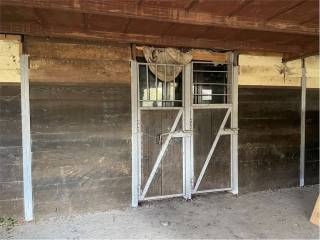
<point x="282" y="26"/>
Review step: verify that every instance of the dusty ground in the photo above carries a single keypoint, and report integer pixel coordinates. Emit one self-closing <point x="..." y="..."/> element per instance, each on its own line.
<point x="280" y="214"/>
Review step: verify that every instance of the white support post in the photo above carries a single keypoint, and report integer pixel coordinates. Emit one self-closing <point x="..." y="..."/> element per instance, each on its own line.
<point x="234" y="125"/>
<point x="303" y="121"/>
<point x="187" y="140"/>
<point x="26" y="139"/>
<point x="135" y="134"/>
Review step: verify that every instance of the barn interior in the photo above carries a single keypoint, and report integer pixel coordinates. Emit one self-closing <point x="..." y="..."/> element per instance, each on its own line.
<point x="94" y="116"/>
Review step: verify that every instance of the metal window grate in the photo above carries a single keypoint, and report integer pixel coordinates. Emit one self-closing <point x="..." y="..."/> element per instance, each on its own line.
<point x="160" y="85"/>
<point x="211" y="83"/>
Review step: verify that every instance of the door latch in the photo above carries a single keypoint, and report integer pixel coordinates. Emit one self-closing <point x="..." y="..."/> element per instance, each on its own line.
<point x="229" y="131"/>
<point x="176" y="134"/>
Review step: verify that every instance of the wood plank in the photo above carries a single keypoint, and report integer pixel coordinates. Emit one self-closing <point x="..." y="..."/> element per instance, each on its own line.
<point x="315" y="217"/>
<point x="118" y="8"/>
<point x="62" y="49"/>
<point x="73" y="71"/>
<point x="198" y="55"/>
<point x="37" y="30"/>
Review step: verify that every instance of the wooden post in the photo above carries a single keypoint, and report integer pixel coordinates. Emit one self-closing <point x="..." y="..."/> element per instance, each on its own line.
<point x="26" y="139"/>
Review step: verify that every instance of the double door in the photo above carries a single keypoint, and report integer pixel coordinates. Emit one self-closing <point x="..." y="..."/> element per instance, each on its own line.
<point x="184" y="129"/>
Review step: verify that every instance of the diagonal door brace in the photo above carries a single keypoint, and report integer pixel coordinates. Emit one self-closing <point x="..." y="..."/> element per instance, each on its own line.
<point x="161" y="153"/>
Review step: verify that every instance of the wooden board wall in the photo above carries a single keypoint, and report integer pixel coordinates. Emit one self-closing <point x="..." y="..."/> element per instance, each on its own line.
<point x="80" y="126"/>
<point x="269" y="138"/>
<point x="11" y="185"/>
<point x="312" y="137"/>
<point x="81" y="131"/>
<point x="268" y="70"/>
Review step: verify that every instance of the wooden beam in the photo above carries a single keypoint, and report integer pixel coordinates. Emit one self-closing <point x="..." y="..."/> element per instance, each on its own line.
<point x="238" y="9"/>
<point x="287" y="57"/>
<point x="85" y="18"/>
<point x="309" y="19"/>
<point x="39" y="17"/>
<point x="166" y="30"/>
<point x="156" y="40"/>
<point x="311" y="49"/>
<point x="191" y="4"/>
<point x="287" y="9"/>
<point x="132" y="10"/>
<point x="198" y="55"/>
<point x="126" y="27"/>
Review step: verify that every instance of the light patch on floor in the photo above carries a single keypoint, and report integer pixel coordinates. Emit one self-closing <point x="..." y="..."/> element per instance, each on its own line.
<point x="270" y="214"/>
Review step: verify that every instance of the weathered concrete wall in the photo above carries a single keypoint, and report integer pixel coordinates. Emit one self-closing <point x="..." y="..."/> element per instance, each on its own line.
<point x="80" y="126"/>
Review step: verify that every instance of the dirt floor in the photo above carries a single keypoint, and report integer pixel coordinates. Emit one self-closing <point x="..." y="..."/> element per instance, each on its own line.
<point x="270" y="214"/>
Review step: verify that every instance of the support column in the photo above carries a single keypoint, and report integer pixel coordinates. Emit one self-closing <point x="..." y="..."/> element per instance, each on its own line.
<point x="135" y="135"/>
<point x="26" y="139"/>
<point x="234" y="125"/>
<point x="303" y="121"/>
<point x="187" y="140"/>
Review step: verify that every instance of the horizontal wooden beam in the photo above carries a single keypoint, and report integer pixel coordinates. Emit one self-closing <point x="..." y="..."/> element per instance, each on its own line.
<point x="198" y="55"/>
<point x="309" y="49"/>
<point x="38" y="30"/>
<point x="287" y="57"/>
<point x="183" y="16"/>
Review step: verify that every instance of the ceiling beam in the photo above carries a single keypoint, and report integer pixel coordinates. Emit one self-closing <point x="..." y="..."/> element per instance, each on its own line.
<point x="156" y="40"/>
<point x="126" y="27"/>
<point x="238" y="9"/>
<point x="287" y="57"/>
<point x="139" y="3"/>
<point x="312" y="18"/>
<point x="285" y="10"/>
<point x="310" y="49"/>
<point x="191" y="4"/>
<point x="38" y="17"/>
<point x="85" y="18"/>
<point x="132" y="10"/>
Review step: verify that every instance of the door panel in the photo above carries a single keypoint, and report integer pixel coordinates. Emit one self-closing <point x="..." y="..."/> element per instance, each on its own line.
<point x="206" y="125"/>
<point x="168" y="178"/>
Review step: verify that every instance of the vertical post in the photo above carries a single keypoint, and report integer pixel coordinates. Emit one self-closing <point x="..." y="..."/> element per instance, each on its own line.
<point x="135" y="134"/>
<point x="303" y="121"/>
<point x="26" y="139"/>
<point x="234" y="125"/>
<point x="187" y="146"/>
